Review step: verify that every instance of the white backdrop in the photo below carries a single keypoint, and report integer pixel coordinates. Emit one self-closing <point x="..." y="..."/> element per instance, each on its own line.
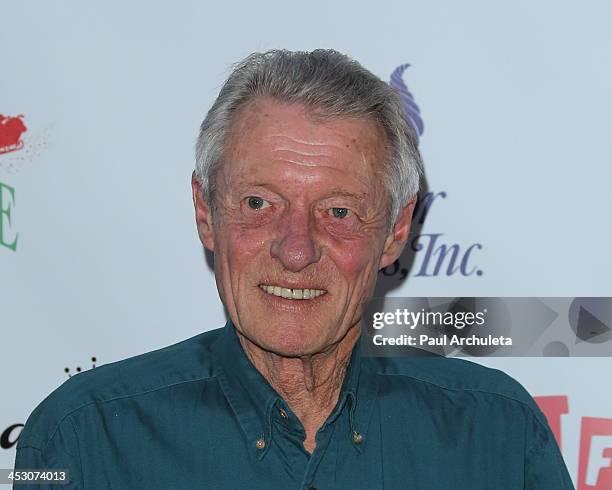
<point x="516" y="104"/>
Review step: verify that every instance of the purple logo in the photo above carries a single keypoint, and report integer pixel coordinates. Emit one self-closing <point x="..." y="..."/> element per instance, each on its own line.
<point x="433" y="254"/>
<point x="412" y="109"/>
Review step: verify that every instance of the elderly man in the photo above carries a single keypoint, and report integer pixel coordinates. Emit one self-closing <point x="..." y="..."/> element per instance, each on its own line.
<point x="306" y="178"/>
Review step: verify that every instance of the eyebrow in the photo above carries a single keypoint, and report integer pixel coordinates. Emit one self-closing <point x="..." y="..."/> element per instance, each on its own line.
<point x="334" y="192"/>
<point x="343" y="192"/>
<point x="266" y="185"/>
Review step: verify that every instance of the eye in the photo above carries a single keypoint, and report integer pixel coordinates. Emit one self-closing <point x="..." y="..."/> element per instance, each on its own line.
<point x="339" y="212"/>
<point x="255" y="202"/>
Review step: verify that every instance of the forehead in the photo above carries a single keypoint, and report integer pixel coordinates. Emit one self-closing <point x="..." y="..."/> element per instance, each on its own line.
<point x="272" y="140"/>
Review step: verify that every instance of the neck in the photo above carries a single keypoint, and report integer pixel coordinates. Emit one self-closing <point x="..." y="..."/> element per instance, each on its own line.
<point x="310" y="385"/>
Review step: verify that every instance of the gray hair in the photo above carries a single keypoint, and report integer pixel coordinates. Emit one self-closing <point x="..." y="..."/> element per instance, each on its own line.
<point x="330" y="84"/>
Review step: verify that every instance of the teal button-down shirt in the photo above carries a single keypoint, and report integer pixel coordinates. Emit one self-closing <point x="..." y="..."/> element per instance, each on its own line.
<point x="198" y="415"/>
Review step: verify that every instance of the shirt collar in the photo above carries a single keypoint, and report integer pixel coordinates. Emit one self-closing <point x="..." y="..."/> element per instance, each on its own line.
<point x="361" y="387"/>
<point x="253" y="399"/>
<point x="247" y="391"/>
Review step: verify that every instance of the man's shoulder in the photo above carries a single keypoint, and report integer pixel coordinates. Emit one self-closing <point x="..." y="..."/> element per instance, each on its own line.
<point x="454" y="375"/>
<point x="186" y="361"/>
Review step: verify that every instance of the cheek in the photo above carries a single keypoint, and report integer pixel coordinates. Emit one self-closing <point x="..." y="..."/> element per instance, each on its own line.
<point x="355" y="259"/>
<point x="240" y="245"/>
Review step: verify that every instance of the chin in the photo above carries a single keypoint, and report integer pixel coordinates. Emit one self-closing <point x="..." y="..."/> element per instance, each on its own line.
<point x="287" y="341"/>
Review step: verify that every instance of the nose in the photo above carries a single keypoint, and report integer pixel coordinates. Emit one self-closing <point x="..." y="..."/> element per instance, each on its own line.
<point x="294" y="245"/>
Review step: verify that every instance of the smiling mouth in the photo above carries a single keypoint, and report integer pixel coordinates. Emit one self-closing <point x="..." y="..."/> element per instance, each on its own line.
<point x="294" y="293"/>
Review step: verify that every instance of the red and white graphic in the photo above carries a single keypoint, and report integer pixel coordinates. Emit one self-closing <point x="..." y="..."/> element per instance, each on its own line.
<point x="595" y="464"/>
<point x="11" y="129"/>
<point x="12" y="139"/>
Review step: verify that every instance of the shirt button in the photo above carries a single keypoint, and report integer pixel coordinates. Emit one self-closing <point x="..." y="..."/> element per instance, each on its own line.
<point x="357" y="438"/>
<point x="283" y="414"/>
<point x="261" y="443"/>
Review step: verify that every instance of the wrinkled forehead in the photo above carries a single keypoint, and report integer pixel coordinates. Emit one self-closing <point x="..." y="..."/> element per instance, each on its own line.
<point x="268" y="139"/>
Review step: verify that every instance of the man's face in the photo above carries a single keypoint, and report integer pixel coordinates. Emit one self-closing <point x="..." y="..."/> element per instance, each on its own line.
<point x="300" y="211"/>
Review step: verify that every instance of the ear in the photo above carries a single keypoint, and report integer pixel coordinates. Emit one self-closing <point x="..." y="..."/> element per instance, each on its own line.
<point x="202" y="214"/>
<point x="395" y="242"/>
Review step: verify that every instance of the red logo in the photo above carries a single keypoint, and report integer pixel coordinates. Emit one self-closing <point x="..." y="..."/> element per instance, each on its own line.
<point x="11" y="129"/>
<point x="595" y="465"/>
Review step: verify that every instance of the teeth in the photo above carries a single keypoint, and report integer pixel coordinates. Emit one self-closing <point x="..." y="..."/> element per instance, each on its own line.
<point x="292" y="293"/>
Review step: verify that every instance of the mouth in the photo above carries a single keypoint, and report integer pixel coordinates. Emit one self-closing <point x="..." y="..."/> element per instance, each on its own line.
<point x="292" y="293"/>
